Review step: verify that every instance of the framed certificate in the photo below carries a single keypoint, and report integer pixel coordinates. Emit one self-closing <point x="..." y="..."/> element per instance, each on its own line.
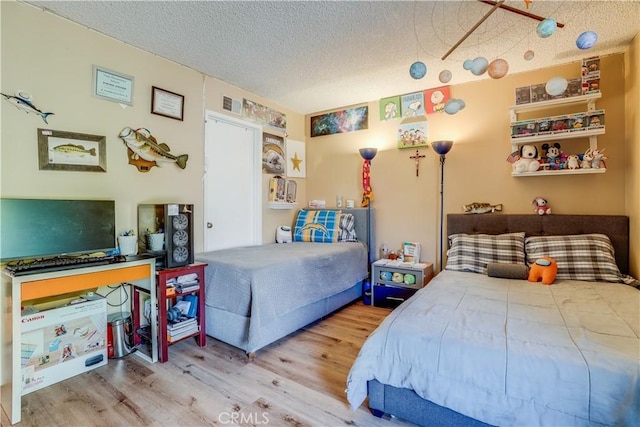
<point x="112" y="86"/>
<point x="167" y="104"/>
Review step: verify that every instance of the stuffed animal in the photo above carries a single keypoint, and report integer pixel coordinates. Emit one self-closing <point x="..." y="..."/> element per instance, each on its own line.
<point x="573" y="162"/>
<point x="554" y="157"/>
<point x="544" y="269"/>
<point x="528" y="161"/>
<point x="541" y="206"/>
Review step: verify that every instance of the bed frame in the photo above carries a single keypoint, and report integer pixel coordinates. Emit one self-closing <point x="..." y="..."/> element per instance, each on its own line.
<point x="406" y="404"/>
<point x="233" y="328"/>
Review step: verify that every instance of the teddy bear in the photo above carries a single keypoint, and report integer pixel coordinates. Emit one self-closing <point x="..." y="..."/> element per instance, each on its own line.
<point x="573" y="161"/>
<point x="528" y="161"/>
<point x="541" y="206"/>
<point x="544" y="269"/>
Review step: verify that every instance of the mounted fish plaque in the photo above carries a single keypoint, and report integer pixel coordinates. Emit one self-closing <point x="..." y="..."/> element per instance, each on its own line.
<point x="144" y="151"/>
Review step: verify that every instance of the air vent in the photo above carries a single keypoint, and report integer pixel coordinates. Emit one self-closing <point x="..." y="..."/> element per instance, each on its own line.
<point x="230" y="104"/>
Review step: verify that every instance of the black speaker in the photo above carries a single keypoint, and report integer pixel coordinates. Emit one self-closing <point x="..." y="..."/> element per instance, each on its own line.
<point x="176" y="222"/>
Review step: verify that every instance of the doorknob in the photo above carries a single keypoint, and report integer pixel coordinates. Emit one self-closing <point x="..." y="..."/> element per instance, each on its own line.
<point x="209" y="225"/>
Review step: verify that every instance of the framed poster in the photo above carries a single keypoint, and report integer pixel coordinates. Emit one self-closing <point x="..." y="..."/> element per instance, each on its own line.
<point x="341" y="121"/>
<point x="167" y="104"/>
<point x="112" y="86"/>
<point x="412" y="104"/>
<point x="390" y="108"/>
<point x="71" y="151"/>
<point x="273" y="154"/>
<point x="413" y="133"/>
<point x="296" y="165"/>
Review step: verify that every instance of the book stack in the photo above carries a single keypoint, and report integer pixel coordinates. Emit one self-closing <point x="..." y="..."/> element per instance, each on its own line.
<point x="181" y="328"/>
<point x="185" y="283"/>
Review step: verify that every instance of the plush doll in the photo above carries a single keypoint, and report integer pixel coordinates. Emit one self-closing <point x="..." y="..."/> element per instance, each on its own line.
<point x="541" y="206"/>
<point x="573" y="162"/>
<point x="544" y="269"/>
<point x="528" y="161"/>
<point x="554" y="157"/>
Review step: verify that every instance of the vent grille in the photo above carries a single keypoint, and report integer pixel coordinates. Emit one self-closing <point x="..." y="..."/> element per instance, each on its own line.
<point x="230" y="104"/>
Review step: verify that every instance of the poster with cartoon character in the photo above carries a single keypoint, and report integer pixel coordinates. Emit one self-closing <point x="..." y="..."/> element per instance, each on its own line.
<point x="390" y="108"/>
<point x="412" y="133"/>
<point x="412" y="104"/>
<point x="436" y="98"/>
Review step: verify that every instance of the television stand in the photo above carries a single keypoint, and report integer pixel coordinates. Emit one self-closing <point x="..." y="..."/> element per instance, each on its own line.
<point x="16" y="290"/>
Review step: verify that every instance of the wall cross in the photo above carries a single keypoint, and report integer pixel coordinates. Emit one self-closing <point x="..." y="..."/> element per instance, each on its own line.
<point x="417" y="158"/>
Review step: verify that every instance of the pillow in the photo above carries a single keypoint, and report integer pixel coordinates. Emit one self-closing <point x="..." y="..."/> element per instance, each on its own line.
<point x="580" y="257"/>
<point x="505" y="270"/>
<point x="472" y="252"/>
<point x="347" y="228"/>
<point x="321" y="226"/>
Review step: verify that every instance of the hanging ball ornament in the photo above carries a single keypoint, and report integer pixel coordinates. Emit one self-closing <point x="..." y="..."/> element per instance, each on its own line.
<point x="498" y="68"/>
<point x="586" y="40"/>
<point x="480" y="65"/>
<point x="556" y="86"/>
<point x="467" y="64"/>
<point x="418" y="70"/>
<point x="528" y="55"/>
<point x="452" y="106"/>
<point x="546" y="28"/>
<point x="444" y="76"/>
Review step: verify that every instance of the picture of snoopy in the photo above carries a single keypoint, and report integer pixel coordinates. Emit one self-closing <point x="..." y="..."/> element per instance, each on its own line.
<point x="413" y="108"/>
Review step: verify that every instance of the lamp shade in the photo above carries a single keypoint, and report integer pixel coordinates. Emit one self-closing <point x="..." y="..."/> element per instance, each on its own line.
<point x="441" y="147"/>
<point x="368" y="153"/>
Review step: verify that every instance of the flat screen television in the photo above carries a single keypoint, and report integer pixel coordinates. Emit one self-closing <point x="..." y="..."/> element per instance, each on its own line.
<point x="37" y="228"/>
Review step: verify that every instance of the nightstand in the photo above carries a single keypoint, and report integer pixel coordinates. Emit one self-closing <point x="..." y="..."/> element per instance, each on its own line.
<point x="393" y="282"/>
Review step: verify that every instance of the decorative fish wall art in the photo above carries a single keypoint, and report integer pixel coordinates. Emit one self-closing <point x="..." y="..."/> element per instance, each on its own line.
<point x="145" y="152"/>
<point x="22" y="101"/>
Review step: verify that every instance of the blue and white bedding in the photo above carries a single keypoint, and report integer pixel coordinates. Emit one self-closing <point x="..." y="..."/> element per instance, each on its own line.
<point x="512" y="352"/>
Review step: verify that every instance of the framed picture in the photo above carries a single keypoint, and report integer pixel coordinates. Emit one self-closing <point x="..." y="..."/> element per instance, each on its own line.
<point x="71" y="151"/>
<point x="167" y="104"/>
<point x="296" y="165"/>
<point x="112" y="86"/>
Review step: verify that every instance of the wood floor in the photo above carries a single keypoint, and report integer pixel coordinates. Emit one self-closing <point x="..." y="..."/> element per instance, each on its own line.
<point x="298" y="381"/>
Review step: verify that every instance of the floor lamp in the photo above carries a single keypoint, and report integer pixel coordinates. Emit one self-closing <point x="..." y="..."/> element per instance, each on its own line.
<point x="441" y="148"/>
<point x="367" y="154"/>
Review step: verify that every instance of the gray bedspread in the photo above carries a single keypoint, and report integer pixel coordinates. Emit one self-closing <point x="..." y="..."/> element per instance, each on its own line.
<point x="267" y="281"/>
<point x="512" y="352"/>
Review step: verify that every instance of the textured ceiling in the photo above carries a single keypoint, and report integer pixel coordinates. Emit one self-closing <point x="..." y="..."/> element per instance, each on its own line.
<point x="310" y="56"/>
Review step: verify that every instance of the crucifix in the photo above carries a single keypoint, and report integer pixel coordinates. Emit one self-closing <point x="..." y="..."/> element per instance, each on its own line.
<point x="417" y="157"/>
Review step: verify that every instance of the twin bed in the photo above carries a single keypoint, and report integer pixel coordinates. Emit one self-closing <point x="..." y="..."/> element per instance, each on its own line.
<point x="470" y="349"/>
<point x="256" y="295"/>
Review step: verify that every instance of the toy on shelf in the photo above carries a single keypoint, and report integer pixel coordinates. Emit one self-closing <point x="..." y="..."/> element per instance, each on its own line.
<point x="541" y="206"/>
<point x="528" y="161"/>
<point x="554" y="157"/>
<point x="573" y="162"/>
<point x="598" y="159"/>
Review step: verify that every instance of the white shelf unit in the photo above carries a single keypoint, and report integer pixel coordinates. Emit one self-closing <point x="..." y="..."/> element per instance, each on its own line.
<point x="281" y="205"/>
<point x="591" y="134"/>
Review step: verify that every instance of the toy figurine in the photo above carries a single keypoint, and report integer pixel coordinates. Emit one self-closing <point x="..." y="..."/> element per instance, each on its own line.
<point x="572" y="162"/>
<point x="541" y="206"/>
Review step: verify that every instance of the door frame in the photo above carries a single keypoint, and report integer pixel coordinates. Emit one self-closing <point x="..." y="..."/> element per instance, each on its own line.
<point x="257" y="168"/>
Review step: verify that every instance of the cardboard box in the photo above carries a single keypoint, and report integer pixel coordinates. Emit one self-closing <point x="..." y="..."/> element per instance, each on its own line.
<point x="523" y="95"/>
<point x="63" y="342"/>
<point x="411" y="251"/>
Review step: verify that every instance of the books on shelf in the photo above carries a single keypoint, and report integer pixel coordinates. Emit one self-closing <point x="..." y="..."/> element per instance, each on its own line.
<point x="182" y="328"/>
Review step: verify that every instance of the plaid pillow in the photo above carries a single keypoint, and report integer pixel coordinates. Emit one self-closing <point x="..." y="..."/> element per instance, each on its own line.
<point x="580" y="257"/>
<point x="472" y="252"/>
<point x="347" y="228"/>
<point x="317" y="226"/>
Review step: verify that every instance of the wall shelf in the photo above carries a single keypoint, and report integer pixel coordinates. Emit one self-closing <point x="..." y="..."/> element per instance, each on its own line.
<point x="533" y="106"/>
<point x="281" y="205"/>
<point x="559" y="172"/>
<point x="558" y="136"/>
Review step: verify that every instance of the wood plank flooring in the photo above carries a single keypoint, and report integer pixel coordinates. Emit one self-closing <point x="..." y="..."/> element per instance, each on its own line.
<point x="298" y="381"/>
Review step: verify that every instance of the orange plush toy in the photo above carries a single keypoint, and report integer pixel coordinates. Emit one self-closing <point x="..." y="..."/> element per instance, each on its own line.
<point x="544" y="269"/>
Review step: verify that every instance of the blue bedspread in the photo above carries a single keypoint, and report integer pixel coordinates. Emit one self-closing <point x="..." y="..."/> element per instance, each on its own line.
<point x="512" y="352"/>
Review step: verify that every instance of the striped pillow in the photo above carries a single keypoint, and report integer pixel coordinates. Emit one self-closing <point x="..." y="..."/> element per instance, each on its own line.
<point x="580" y="257"/>
<point x="472" y="252"/>
<point x="347" y="228"/>
<point x="320" y="226"/>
